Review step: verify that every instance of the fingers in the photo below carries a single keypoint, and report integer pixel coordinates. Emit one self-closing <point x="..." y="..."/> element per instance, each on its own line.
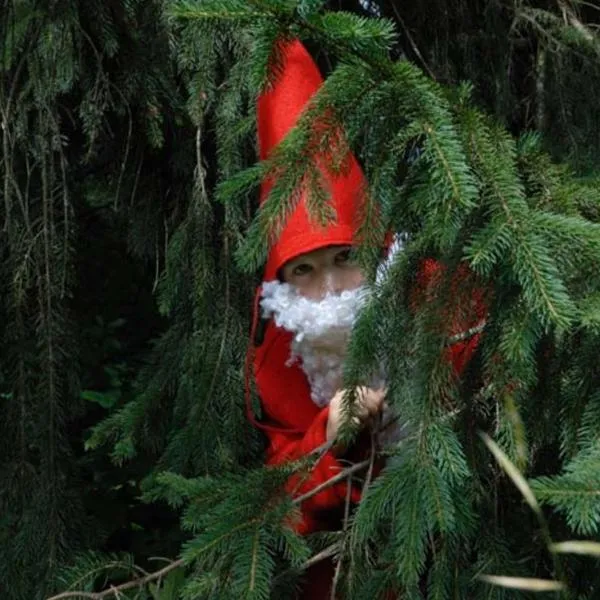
<point x="368" y="405"/>
<point x="372" y="400"/>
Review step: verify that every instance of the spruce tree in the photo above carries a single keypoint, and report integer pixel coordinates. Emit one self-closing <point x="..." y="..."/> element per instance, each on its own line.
<point x="500" y="472"/>
<point x="87" y="160"/>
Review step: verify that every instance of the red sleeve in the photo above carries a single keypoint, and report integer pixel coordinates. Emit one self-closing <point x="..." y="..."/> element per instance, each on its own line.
<point x="287" y="446"/>
<point x="295" y="427"/>
<point x="466" y="313"/>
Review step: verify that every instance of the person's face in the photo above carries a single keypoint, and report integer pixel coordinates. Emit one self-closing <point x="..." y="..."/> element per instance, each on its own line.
<point x="323" y="271"/>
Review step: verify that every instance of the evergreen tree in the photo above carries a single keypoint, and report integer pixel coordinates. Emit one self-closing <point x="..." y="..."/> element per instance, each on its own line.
<point x="89" y="164"/>
<point x="136" y="121"/>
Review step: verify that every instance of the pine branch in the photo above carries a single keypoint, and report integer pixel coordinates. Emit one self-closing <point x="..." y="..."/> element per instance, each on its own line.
<point x="324" y="554"/>
<point x="115" y="590"/>
<point x="219" y="10"/>
<point x="327" y="484"/>
<point x="570" y="17"/>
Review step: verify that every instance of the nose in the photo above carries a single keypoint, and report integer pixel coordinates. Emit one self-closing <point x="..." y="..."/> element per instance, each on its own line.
<point x="332" y="283"/>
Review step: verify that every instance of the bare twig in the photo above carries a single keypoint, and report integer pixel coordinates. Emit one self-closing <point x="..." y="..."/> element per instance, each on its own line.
<point x="156" y="264"/>
<point x="326" y="553"/>
<point x="465" y="335"/>
<point x="127" y="145"/>
<point x="372" y="453"/>
<point x="412" y="42"/>
<point x="540" y="88"/>
<point x="200" y="183"/>
<point x="137" y="179"/>
<point x="46" y="313"/>
<point x="116" y="590"/>
<point x="340" y="559"/>
<point x="335" y="479"/>
<point x="319" y="452"/>
<point x="375" y="432"/>
<point x="225" y="310"/>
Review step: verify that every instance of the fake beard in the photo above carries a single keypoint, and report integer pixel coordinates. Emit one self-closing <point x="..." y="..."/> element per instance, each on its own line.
<point x="321" y="332"/>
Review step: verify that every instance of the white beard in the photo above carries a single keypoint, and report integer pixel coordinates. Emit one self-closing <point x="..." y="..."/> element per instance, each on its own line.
<point x="322" y="331"/>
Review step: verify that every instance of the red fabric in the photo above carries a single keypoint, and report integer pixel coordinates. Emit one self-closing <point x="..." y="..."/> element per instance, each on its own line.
<point x="278" y="111"/>
<point x="297" y="426"/>
<point x="468" y="309"/>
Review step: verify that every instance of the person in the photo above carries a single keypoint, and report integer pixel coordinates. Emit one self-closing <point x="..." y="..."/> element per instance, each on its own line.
<point x="309" y="299"/>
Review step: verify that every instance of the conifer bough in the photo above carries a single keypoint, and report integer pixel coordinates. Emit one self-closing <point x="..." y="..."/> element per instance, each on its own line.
<point x="96" y="152"/>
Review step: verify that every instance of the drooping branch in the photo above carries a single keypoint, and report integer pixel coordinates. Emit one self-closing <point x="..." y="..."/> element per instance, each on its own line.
<point x="115" y="590"/>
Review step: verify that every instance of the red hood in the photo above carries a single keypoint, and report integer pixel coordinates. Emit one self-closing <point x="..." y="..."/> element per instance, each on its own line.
<point x="278" y="112"/>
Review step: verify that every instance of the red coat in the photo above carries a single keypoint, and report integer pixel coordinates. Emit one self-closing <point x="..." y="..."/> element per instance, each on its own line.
<point x="295" y="425"/>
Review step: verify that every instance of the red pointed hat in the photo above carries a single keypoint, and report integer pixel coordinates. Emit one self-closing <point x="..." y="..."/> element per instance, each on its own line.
<point x="278" y="111"/>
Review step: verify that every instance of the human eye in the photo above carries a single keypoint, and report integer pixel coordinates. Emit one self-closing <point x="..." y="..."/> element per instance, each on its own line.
<point x="302" y="269"/>
<point x="343" y="257"/>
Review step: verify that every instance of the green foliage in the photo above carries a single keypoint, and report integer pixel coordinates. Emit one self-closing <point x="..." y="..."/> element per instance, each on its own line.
<point x="241" y="524"/>
<point x="69" y="160"/>
<point x="419" y="496"/>
<point x="575" y="492"/>
<point x="94" y="569"/>
<point x="472" y="192"/>
<point x="130" y="241"/>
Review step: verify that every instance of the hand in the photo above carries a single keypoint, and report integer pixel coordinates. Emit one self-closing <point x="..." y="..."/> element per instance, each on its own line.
<point x="369" y="403"/>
